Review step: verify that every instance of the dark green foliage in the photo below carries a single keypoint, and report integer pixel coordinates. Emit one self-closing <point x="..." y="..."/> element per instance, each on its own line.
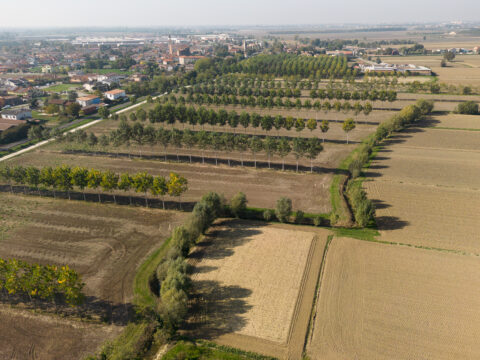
<point x="468" y="108"/>
<point x="283" y="209"/>
<point x="238" y="204"/>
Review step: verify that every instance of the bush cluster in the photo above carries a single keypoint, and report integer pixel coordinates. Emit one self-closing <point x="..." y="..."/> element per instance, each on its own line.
<point x="45" y="282"/>
<point x="468" y="108"/>
<point x="171" y="273"/>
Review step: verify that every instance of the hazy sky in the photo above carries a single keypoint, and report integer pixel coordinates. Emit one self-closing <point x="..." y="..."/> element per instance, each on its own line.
<point x="48" y="13"/>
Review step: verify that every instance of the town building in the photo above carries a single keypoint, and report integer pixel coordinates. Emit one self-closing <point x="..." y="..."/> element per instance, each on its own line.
<point x="88" y="100"/>
<point x="17" y="114"/>
<point x="115" y="94"/>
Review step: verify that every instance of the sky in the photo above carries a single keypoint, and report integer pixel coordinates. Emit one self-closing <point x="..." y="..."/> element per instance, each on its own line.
<point x="73" y="13"/>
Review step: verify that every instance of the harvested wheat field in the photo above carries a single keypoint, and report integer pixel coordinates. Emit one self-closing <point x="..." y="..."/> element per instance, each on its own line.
<point x="254" y="285"/>
<point x="309" y="192"/>
<point x="426" y="188"/>
<point x="26" y="336"/>
<point x="393" y="302"/>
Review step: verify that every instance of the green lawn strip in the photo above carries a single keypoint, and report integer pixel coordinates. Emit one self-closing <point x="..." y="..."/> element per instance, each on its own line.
<point x="207" y="350"/>
<point x="61" y="87"/>
<point x="143" y="297"/>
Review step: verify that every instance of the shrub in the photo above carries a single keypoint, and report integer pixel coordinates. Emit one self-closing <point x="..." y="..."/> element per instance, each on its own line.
<point x="317" y="221"/>
<point x="468" y="108"/>
<point x="298" y="217"/>
<point x="268" y="214"/>
<point x="283" y="209"/>
<point x="238" y="204"/>
<point x="425" y="106"/>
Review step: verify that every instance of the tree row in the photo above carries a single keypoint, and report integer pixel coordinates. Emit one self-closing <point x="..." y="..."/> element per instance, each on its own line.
<point x="271" y="102"/>
<point x="168" y="113"/>
<point x="45" y="282"/>
<point x="67" y="179"/>
<point x="329" y="93"/>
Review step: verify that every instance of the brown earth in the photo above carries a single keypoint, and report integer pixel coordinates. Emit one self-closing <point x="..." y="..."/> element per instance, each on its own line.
<point x="455" y="121"/>
<point x="38" y="337"/>
<point x="265" y="306"/>
<point x="103" y="242"/>
<point x="394" y="302"/>
<point x="309" y="192"/>
<point x="426" y="189"/>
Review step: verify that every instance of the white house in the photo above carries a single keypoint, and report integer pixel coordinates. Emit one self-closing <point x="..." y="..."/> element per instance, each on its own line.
<point x="88" y="100"/>
<point x="16" y="114"/>
<point x="115" y="94"/>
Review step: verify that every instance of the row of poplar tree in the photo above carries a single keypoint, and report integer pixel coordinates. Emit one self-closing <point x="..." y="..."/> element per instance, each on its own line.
<point x="204" y="140"/>
<point x="45" y="282"/>
<point x="168" y="113"/>
<point x="66" y="179"/>
<point x="338" y="94"/>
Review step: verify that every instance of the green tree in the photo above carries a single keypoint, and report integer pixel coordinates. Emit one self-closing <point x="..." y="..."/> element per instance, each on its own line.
<point x="283" y="149"/>
<point x="348" y="125"/>
<point x="324" y="127"/>
<point x="94" y="178"/>
<point x="238" y="204"/>
<point x="104" y="112"/>
<point x="125" y="183"/>
<point x="80" y="179"/>
<point x="177" y="185"/>
<point x="299" y="124"/>
<point x="255" y="145"/>
<point x="142" y="182"/>
<point x="311" y="124"/>
<point x="109" y="183"/>
<point x="270" y="147"/>
<point x="299" y="148"/>
<point x="159" y="188"/>
<point x="47" y="178"/>
<point x="63" y="178"/>
<point x="313" y="148"/>
<point x="32" y="177"/>
<point x="283" y="209"/>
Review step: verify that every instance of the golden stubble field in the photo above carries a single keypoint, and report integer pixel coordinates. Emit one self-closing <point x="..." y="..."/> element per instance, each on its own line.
<point x="426" y="188"/>
<point x="381" y="301"/>
<point x="255" y="285"/>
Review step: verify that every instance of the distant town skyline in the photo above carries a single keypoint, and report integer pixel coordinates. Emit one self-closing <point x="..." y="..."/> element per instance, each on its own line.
<point x="68" y="13"/>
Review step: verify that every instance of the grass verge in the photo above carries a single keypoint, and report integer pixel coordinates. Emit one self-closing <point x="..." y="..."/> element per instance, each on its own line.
<point x="206" y="350"/>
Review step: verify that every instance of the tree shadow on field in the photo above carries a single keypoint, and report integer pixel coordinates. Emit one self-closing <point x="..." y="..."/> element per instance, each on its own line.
<point x="380" y="204"/>
<point x="390" y="222"/>
<point x="216" y="309"/>
<point x="224" y="238"/>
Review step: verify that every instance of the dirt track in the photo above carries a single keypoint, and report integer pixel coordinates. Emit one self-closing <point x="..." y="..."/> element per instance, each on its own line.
<point x="395" y="302"/>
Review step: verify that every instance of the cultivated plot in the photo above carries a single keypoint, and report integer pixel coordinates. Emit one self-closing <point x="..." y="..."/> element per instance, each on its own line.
<point x="252" y="281"/>
<point x="426" y="189"/>
<point x="392" y="302"/>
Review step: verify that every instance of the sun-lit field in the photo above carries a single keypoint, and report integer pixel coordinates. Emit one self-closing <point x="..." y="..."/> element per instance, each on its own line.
<point x="261" y="300"/>
<point x="394" y="302"/>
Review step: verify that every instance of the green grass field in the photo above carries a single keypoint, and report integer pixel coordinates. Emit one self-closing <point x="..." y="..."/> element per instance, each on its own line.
<point x="62" y="87"/>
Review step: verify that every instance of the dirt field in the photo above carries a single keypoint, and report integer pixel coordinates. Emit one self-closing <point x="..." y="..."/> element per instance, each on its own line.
<point x="455" y="121"/>
<point x="426" y="188"/>
<point x="104" y="243"/>
<point x="54" y="338"/>
<point x="309" y="192"/>
<point x="256" y="307"/>
<point x="392" y="302"/>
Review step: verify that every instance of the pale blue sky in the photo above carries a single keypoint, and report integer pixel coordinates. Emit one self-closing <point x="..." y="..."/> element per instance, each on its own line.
<point x="47" y="13"/>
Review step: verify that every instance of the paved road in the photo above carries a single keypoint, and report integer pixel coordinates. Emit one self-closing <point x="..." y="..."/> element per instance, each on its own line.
<point x="44" y="142"/>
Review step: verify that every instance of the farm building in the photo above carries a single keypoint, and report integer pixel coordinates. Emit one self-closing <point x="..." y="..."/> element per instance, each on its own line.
<point x="401" y="68"/>
<point x="115" y="94"/>
<point x="88" y="100"/>
<point x="16" y="114"/>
